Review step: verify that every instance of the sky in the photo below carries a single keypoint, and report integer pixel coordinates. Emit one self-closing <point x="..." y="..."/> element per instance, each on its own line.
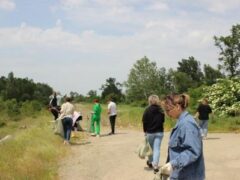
<point x="75" y="45"/>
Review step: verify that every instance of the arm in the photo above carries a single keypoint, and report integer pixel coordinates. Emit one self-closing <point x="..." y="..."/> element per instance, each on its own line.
<point x="191" y="147"/>
<point x="108" y="109"/>
<point x="196" y="115"/>
<point x="144" y="119"/>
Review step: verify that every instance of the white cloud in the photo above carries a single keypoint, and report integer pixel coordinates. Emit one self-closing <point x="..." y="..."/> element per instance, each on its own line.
<point x="158" y="6"/>
<point x="221" y="6"/>
<point x="8" y="5"/>
<point x="93" y="51"/>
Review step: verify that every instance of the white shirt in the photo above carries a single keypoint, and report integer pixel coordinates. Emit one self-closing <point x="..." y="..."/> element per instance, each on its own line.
<point x="112" y="108"/>
<point x="75" y="116"/>
<point x="67" y="110"/>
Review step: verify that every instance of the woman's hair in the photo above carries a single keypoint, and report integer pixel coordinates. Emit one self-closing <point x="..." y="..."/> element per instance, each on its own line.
<point x="174" y="99"/>
<point x="68" y="99"/>
<point x="96" y="101"/>
<point x="205" y="100"/>
<point x="153" y="100"/>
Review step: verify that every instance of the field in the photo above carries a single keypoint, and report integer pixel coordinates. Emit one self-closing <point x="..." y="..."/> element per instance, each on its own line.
<point x="34" y="152"/>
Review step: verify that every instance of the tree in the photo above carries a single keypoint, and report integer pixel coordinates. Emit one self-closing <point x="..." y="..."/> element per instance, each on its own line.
<point x="92" y="94"/>
<point x="180" y="81"/>
<point x="230" y="51"/>
<point x="211" y="75"/>
<point x="112" y="88"/>
<point x="191" y="67"/>
<point x="145" y="79"/>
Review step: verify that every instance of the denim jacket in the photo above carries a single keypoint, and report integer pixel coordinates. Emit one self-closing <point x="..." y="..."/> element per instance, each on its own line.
<point x="186" y="150"/>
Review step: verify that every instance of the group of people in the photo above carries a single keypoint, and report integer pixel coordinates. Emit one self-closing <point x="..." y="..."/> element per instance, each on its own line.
<point x="185" y="148"/>
<point x="69" y="117"/>
<point x="96" y="117"/>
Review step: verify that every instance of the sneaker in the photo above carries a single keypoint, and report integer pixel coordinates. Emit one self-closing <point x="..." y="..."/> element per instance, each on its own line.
<point x="155" y="170"/>
<point x="98" y="136"/>
<point x="149" y="164"/>
<point x="93" y="134"/>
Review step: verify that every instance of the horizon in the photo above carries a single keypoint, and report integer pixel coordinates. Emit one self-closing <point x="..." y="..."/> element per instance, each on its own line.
<point x="75" y="45"/>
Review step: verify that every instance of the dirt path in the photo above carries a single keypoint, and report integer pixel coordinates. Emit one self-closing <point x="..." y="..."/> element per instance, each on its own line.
<point x="114" y="158"/>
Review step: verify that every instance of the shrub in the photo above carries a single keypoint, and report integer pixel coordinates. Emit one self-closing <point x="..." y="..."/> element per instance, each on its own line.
<point x="224" y="96"/>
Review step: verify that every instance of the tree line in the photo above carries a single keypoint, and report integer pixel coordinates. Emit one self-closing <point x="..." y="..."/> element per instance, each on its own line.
<point x="146" y="78"/>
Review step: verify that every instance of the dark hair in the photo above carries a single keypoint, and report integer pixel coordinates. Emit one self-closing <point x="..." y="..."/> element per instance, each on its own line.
<point x="96" y="100"/>
<point x="174" y="99"/>
<point x="68" y="99"/>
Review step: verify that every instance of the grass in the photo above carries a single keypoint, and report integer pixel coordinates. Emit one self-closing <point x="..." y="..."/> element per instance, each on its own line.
<point x="131" y="117"/>
<point x="33" y="152"/>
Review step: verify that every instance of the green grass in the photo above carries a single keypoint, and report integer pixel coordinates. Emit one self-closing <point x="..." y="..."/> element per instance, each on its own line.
<point x="33" y="152"/>
<point x="131" y="116"/>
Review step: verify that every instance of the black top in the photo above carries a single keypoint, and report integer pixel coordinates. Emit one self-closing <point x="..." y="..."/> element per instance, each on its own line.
<point x="153" y="119"/>
<point x="53" y="102"/>
<point x="204" y="111"/>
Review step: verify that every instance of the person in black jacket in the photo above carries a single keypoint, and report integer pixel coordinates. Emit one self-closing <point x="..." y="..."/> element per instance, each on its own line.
<point x="153" y="120"/>
<point x="202" y="114"/>
<point x="53" y="106"/>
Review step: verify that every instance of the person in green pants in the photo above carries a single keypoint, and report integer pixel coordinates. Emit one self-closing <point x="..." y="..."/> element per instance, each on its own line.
<point x="96" y="118"/>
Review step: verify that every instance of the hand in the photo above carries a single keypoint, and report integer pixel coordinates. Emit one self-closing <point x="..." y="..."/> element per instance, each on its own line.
<point x="166" y="169"/>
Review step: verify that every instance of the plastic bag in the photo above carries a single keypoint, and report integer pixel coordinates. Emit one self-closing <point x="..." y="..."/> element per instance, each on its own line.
<point x="144" y="149"/>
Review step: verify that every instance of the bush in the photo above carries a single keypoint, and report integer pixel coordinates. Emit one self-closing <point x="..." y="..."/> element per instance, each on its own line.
<point x="30" y="108"/>
<point x="13" y="109"/>
<point x="224" y="96"/>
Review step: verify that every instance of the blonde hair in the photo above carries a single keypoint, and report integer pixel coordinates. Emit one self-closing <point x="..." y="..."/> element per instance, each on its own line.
<point x="174" y="99"/>
<point x="153" y="100"/>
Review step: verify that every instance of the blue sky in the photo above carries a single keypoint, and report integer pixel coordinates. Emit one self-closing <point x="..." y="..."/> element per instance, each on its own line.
<point x="75" y="45"/>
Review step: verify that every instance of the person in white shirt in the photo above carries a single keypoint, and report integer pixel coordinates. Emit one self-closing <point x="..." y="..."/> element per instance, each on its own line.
<point x="67" y="110"/>
<point x="112" y="112"/>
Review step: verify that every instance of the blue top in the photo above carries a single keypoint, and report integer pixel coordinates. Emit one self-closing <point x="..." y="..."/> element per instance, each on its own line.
<point x="185" y="151"/>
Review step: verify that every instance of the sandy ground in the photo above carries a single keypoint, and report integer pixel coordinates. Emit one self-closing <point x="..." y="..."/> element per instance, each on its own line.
<point x="114" y="158"/>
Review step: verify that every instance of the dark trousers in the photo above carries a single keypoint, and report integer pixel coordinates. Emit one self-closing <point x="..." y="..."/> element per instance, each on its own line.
<point x="55" y="113"/>
<point x="112" y="122"/>
<point x="67" y="127"/>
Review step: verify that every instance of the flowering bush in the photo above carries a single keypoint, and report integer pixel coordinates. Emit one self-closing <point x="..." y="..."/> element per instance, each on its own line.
<point x="224" y="96"/>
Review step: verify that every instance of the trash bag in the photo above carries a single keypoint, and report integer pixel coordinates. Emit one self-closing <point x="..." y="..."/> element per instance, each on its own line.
<point x="144" y="149"/>
<point x="58" y="129"/>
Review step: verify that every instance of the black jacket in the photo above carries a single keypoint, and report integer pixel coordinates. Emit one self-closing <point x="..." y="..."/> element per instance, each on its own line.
<point x="153" y="119"/>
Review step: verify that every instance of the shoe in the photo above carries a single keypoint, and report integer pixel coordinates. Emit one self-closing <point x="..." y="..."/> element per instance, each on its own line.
<point x="155" y="170"/>
<point x="149" y="164"/>
<point x="98" y="136"/>
<point x="110" y="133"/>
<point x="93" y="134"/>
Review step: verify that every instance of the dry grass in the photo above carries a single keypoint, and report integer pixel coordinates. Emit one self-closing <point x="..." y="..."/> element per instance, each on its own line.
<point x="34" y="151"/>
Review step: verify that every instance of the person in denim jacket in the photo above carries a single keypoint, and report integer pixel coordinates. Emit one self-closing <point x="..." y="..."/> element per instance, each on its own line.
<point x="185" y="150"/>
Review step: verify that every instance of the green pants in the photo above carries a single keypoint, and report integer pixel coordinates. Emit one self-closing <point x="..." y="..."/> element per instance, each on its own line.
<point x="95" y="121"/>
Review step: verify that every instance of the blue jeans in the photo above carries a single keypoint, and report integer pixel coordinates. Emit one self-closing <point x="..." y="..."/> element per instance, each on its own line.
<point x="204" y="127"/>
<point x="67" y="127"/>
<point x="155" y="140"/>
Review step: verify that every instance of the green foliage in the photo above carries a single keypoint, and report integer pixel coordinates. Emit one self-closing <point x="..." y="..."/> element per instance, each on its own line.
<point x="191" y="67"/>
<point x="181" y="81"/>
<point x="30" y="108"/>
<point x="224" y="96"/>
<point x="196" y="95"/>
<point x="112" y="89"/>
<point x="24" y="89"/>
<point x="230" y="51"/>
<point x="145" y="79"/>
<point x="211" y="75"/>
<point x="13" y="109"/>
